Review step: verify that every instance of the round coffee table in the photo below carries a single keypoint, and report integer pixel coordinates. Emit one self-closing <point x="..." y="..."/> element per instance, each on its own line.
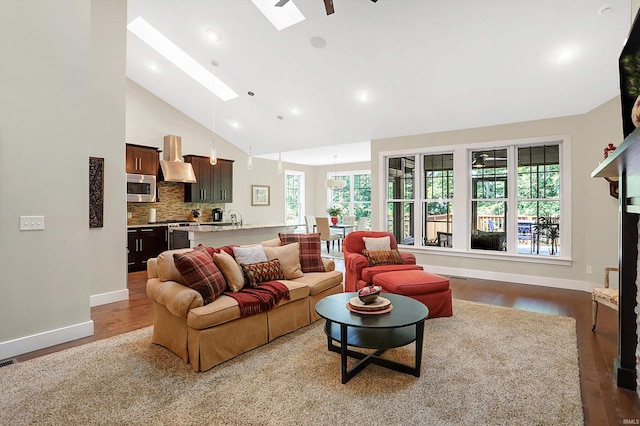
<point x="403" y="325"/>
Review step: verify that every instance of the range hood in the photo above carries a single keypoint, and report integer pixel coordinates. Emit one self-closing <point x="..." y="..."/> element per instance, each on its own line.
<point x="172" y="166"/>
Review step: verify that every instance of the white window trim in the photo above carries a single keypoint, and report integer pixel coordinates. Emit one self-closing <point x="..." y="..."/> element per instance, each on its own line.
<point x="302" y="194"/>
<point x="462" y="206"/>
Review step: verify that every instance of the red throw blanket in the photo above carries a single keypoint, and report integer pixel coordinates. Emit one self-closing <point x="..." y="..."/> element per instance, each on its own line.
<point x="264" y="296"/>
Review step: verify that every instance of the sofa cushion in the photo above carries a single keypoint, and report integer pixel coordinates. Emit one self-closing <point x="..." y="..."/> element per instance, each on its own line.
<point x="166" y="266"/>
<point x="230" y="269"/>
<point x="310" y="258"/>
<point x="220" y="311"/>
<point x="297" y="291"/>
<point x="249" y="254"/>
<point x="289" y="257"/>
<point x="320" y="281"/>
<point x="260" y="272"/>
<point x="382" y="257"/>
<point x="201" y="273"/>
<point x="377" y="243"/>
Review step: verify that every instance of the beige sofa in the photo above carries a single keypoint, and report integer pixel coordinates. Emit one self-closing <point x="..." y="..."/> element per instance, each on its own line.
<point x="206" y="335"/>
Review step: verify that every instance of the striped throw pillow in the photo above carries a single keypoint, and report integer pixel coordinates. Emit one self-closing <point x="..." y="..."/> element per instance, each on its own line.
<point x="260" y="272"/>
<point x="383" y="257"/>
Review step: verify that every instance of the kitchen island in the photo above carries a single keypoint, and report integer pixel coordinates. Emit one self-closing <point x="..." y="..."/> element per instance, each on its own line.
<point x="220" y="235"/>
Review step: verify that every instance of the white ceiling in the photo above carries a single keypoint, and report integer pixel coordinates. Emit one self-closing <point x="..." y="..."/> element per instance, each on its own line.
<point x="425" y="66"/>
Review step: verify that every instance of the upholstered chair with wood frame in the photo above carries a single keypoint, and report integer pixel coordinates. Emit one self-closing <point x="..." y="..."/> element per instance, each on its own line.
<point x="358" y="272"/>
<point x="322" y="227"/>
<point x="606" y="296"/>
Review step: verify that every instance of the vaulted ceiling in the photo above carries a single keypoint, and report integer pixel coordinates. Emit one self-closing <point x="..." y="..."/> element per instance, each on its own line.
<point x="383" y="69"/>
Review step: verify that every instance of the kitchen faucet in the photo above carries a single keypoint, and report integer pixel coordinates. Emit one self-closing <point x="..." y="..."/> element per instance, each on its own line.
<point x="234" y="218"/>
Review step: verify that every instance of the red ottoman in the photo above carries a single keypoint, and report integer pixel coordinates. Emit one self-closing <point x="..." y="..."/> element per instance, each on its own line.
<point x="431" y="289"/>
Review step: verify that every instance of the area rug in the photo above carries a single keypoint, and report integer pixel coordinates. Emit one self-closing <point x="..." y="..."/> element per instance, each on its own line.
<point x="485" y="365"/>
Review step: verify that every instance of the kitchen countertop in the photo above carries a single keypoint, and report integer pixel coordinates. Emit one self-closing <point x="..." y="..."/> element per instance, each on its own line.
<point x="205" y="227"/>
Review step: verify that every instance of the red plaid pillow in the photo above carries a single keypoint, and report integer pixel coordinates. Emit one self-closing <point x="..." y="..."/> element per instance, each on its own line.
<point x="256" y="273"/>
<point x="200" y="273"/>
<point x="310" y="258"/>
<point x="383" y="257"/>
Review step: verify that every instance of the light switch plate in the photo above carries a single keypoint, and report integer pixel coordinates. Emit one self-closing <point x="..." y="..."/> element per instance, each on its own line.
<point x="31" y="223"/>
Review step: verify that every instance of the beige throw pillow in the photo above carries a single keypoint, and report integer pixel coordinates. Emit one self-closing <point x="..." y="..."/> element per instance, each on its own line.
<point x="289" y="257"/>
<point x="230" y="269"/>
<point x="274" y="242"/>
<point x="381" y="243"/>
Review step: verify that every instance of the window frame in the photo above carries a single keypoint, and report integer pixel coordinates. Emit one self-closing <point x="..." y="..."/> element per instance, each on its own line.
<point x="463" y="195"/>
<point x="301" y="191"/>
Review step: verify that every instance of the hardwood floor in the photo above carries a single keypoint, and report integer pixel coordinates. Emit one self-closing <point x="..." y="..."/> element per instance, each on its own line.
<point x="603" y="402"/>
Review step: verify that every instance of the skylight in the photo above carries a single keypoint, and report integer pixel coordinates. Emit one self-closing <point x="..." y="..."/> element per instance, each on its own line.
<point x="143" y="30"/>
<point x="280" y="17"/>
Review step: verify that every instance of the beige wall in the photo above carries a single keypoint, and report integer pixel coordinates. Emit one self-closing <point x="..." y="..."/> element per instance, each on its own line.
<point x="62" y="101"/>
<point x="594" y="212"/>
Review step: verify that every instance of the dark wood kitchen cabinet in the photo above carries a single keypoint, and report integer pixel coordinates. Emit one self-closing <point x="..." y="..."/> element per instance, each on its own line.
<point x="214" y="183"/>
<point x="202" y="190"/>
<point x="142" y="160"/>
<point x="145" y="242"/>
<point x="223" y="181"/>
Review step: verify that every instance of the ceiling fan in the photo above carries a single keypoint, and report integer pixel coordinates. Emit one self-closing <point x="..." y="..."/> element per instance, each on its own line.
<point x="328" y="5"/>
<point x="480" y="159"/>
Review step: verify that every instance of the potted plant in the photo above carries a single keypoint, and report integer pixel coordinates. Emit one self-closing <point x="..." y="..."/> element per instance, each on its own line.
<point x="334" y="212"/>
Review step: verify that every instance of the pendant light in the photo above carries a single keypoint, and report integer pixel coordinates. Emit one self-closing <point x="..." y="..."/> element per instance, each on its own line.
<point x="336" y="183"/>
<point x="250" y="158"/>
<point x="213" y="156"/>
<point x="280" y="118"/>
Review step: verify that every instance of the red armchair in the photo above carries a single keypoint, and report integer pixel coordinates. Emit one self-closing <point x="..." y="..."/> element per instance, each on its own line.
<point x="358" y="273"/>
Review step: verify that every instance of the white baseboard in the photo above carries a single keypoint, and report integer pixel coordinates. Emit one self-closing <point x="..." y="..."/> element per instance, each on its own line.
<point x="513" y="278"/>
<point x="46" y="339"/>
<point x="105" y="298"/>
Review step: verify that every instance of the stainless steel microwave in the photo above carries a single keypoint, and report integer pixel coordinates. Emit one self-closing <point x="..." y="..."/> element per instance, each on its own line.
<point x="141" y="188"/>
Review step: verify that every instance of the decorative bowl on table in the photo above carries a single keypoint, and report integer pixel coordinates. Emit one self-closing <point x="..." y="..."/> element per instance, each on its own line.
<point x="369" y="294"/>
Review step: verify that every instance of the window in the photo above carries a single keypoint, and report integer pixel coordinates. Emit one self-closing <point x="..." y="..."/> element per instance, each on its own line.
<point x="489" y="176"/>
<point x="437" y="199"/>
<point x="400" y="203"/>
<point x="294" y="197"/>
<point x="539" y="200"/>
<point x="507" y="198"/>
<point x="355" y="197"/>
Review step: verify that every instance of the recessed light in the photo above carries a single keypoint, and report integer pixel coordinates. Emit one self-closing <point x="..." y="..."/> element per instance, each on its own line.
<point x="212" y="35"/>
<point x="154" y="67"/>
<point x="566" y="54"/>
<point x="318" y="42"/>
<point x="161" y="44"/>
<point x="295" y="110"/>
<point x="363" y="96"/>
<point x="234" y="124"/>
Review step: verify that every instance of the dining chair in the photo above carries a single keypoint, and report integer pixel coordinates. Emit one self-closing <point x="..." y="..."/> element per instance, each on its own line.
<point x="310" y="221"/>
<point x="362" y="224"/>
<point x="349" y="220"/>
<point x="322" y="227"/>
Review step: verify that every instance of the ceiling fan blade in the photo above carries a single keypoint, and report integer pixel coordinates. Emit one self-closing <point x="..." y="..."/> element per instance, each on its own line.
<point x="282" y="3"/>
<point x="328" y="5"/>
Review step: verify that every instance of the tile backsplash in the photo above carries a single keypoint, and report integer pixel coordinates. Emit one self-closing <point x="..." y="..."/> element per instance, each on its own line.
<point x="170" y="205"/>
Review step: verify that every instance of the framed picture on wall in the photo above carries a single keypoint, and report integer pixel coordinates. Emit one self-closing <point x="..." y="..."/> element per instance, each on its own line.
<point x="260" y="195"/>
